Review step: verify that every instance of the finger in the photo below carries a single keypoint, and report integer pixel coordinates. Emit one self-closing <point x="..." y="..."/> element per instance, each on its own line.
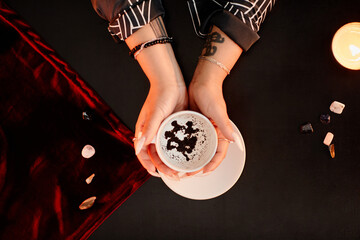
<point x="139" y="141"/>
<point x="219" y="155"/>
<point x="221" y="119"/>
<point x="146" y="129"/>
<point x="160" y="165"/>
<point x="192" y="173"/>
<point x="146" y="162"/>
<point x="218" y="158"/>
<point x="151" y="126"/>
<point x="141" y="153"/>
<point x="143" y="115"/>
<point x="139" y="125"/>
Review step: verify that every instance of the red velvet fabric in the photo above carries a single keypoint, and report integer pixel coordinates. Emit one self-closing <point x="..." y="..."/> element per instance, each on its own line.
<point x="42" y="133"/>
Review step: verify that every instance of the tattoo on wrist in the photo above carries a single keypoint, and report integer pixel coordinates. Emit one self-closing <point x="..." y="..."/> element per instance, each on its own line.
<point x="158" y="27"/>
<point x="213" y="37"/>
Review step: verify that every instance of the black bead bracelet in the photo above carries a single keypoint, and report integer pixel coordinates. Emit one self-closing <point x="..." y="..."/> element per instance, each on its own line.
<point x="134" y="52"/>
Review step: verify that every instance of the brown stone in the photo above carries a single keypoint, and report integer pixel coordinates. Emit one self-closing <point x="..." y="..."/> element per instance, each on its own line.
<point x="332" y="150"/>
<point x="88" y="203"/>
<point x="89" y="179"/>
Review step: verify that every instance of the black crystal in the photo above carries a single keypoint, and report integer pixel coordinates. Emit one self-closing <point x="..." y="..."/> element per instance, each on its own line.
<point x="306" y="128"/>
<point x="325" y="118"/>
<point x="86" y="116"/>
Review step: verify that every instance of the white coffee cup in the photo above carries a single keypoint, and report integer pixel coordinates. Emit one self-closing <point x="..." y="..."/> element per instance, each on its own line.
<point x="186" y="141"/>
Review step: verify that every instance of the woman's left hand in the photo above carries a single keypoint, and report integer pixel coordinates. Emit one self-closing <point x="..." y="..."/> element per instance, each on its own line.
<point x="206" y="97"/>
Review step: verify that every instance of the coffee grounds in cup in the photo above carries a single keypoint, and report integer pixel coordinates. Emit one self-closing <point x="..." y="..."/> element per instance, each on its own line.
<point x="188" y="143"/>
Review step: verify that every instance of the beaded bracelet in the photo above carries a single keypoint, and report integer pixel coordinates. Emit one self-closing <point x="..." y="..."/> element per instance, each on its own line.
<point x="136" y="50"/>
<point x="212" y="60"/>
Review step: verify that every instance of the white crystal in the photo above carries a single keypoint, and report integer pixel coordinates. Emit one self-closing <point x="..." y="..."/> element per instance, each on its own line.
<point x="337" y="107"/>
<point x="88" y="151"/>
<point x="328" y="138"/>
<point x="89" y="179"/>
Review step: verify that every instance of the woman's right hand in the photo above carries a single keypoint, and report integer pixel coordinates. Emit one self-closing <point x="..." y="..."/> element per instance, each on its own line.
<point x="167" y="93"/>
<point x="163" y="99"/>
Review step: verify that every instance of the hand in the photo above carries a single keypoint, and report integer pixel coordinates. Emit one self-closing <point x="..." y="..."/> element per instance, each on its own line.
<point x="205" y="90"/>
<point x="206" y="97"/>
<point x="163" y="99"/>
<point x="167" y="93"/>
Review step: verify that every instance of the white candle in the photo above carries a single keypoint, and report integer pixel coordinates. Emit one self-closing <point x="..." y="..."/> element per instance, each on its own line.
<point x="346" y="45"/>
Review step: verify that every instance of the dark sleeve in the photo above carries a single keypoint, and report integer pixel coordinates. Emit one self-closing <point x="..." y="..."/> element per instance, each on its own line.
<point x="127" y="16"/>
<point x="239" y="19"/>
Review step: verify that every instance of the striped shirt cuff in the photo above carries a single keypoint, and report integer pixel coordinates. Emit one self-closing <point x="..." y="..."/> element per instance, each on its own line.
<point x="133" y="17"/>
<point x="239" y="19"/>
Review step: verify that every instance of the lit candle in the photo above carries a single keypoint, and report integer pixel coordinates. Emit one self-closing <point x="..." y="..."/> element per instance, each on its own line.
<point x="346" y="45"/>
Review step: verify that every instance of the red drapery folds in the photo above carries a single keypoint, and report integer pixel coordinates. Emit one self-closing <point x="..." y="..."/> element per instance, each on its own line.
<point x="42" y="134"/>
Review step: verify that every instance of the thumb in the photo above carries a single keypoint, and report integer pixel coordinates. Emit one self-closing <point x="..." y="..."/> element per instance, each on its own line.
<point x="223" y="122"/>
<point x="151" y="126"/>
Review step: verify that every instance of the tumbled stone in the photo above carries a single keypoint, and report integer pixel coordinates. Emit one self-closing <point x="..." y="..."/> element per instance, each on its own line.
<point x="89" y="179"/>
<point x="328" y="138"/>
<point x="88" y="151"/>
<point x="88" y="203"/>
<point x="86" y="116"/>
<point x="325" y="118"/>
<point x="337" y="107"/>
<point x="332" y="150"/>
<point x="306" y="128"/>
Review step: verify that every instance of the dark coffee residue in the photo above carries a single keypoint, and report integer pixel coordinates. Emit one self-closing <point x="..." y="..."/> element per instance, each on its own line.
<point x="185" y="146"/>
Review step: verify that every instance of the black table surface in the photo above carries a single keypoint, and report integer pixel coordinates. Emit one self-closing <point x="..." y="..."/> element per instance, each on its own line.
<point x="290" y="187"/>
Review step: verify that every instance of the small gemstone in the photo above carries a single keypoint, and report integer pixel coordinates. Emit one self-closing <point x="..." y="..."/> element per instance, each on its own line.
<point x="337" y="107"/>
<point x="306" y="128"/>
<point x="88" y="203"/>
<point x="88" y="151"/>
<point x="332" y="150"/>
<point x="325" y="118"/>
<point x="328" y="138"/>
<point x="86" y="116"/>
<point x="89" y="179"/>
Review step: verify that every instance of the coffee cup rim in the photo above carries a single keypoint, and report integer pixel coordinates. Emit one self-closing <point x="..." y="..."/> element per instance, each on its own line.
<point x="174" y="115"/>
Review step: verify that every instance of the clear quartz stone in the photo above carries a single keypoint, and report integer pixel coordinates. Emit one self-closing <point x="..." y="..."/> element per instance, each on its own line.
<point x="88" y="151"/>
<point x="337" y="107"/>
<point x="328" y="138"/>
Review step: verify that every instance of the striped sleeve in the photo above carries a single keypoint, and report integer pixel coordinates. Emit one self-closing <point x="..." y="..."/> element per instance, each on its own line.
<point x="127" y="16"/>
<point x="239" y="19"/>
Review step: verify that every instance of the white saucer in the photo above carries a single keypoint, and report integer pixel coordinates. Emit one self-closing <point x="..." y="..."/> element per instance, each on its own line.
<point x="216" y="183"/>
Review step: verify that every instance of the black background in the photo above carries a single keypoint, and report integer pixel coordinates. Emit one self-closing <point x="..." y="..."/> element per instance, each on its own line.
<point x="290" y="187"/>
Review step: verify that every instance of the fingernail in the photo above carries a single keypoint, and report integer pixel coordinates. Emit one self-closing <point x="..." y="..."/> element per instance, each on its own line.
<point x="199" y="174"/>
<point x="182" y="174"/>
<point x="155" y="174"/>
<point x="139" y="135"/>
<point x="203" y="174"/>
<point x="206" y="172"/>
<point x="139" y="145"/>
<point x="174" y="177"/>
<point x="238" y="141"/>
